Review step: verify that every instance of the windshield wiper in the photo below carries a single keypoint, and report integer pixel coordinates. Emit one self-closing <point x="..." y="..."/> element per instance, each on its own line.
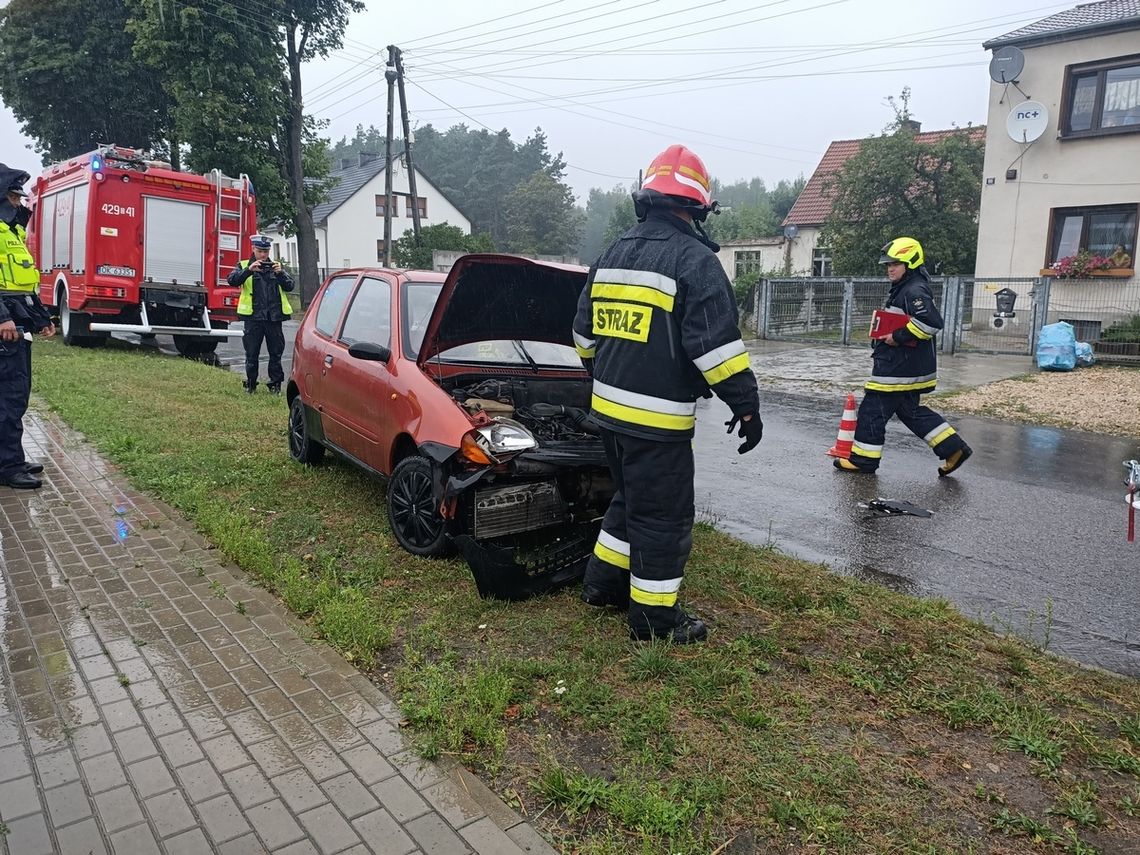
<point x="521" y="351"/>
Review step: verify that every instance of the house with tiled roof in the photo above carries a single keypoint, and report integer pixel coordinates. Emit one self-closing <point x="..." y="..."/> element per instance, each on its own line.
<point x="350" y="222"/>
<point x="813" y="207"/>
<point x="1062" y="163"/>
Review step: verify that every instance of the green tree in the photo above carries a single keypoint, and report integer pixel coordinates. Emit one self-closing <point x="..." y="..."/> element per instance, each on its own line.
<point x="600" y="206"/>
<point x="71" y="79"/>
<point x="898" y="185"/>
<point x="622" y="218"/>
<point x="407" y="252"/>
<point x="371" y="141"/>
<point x="542" y="218"/>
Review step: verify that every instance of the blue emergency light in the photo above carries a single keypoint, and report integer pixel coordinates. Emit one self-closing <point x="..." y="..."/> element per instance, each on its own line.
<point x="96" y="163"/>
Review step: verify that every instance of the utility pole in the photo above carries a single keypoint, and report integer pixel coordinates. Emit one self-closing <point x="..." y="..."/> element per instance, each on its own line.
<point x="399" y="59"/>
<point x="390" y="75"/>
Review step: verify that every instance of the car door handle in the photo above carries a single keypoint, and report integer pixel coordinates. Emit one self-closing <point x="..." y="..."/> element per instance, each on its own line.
<point x="328" y="360"/>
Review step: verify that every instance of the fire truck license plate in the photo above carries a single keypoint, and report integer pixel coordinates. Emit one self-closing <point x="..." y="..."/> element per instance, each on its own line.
<point x="111" y="270"/>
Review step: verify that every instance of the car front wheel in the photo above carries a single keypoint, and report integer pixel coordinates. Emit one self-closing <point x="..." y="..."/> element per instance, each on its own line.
<point x="302" y="447"/>
<point x="412" y="510"/>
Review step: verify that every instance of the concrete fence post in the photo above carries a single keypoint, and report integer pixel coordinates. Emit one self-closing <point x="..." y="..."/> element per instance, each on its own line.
<point x="952" y="321"/>
<point x="763" y="307"/>
<point x="848" y="309"/>
<point x="1040" y="295"/>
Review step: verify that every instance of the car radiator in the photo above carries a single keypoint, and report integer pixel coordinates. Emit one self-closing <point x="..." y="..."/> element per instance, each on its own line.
<point x="517" y="508"/>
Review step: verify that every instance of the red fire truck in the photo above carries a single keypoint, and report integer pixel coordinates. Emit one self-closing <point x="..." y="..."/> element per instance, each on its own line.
<point x="127" y="244"/>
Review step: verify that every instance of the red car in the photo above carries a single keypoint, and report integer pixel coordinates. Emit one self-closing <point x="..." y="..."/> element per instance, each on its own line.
<point x="466" y="394"/>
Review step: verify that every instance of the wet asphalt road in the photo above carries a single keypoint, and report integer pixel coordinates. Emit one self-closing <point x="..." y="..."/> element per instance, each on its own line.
<point x="1036" y="516"/>
<point x="1029" y="535"/>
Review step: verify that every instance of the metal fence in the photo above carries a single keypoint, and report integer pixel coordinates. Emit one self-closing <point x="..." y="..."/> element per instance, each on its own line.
<point x="1104" y="311"/>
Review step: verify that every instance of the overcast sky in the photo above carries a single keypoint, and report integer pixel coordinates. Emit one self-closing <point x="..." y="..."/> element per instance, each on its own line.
<point x="756" y="87"/>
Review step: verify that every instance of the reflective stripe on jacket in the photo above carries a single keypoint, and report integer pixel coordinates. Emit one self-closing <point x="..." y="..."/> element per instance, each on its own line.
<point x="245" y="299"/>
<point x="17" y="267"/>
<point x="906" y="368"/>
<point x="657" y="325"/>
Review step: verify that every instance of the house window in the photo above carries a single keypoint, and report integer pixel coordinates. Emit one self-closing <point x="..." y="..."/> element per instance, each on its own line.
<point x="421" y="203"/>
<point x="1102" y="98"/>
<point x="1106" y="230"/>
<point x="380" y="206"/>
<point x="821" y="262"/>
<point x="748" y="262"/>
<point x="276" y="249"/>
<point x="380" y="251"/>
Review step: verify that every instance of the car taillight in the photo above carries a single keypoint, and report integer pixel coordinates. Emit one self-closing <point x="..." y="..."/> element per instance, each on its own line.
<point x="229" y="301"/>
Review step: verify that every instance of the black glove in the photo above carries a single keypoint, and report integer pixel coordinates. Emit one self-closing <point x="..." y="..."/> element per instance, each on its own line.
<point x="750" y="431"/>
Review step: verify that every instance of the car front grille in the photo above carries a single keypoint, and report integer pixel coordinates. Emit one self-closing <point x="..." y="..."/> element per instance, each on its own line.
<point x="517" y="508"/>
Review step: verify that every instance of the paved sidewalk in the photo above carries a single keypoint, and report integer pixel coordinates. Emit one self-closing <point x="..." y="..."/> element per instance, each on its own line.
<point x="152" y="700"/>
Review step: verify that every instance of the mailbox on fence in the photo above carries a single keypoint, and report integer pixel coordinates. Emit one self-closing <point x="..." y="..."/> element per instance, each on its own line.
<point x="1005" y="298"/>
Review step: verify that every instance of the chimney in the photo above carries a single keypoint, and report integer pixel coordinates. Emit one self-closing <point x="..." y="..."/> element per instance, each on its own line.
<point x="346" y="163"/>
<point x="367" y="157"/>
<point x="912" y="125"/>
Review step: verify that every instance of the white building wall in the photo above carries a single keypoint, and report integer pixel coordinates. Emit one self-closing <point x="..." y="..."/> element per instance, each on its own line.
<point x="1014" y="219"/>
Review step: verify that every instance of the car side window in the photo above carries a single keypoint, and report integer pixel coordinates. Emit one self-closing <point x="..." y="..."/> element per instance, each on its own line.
<point x="335" y="295"/>
<point x="370" y="315"/>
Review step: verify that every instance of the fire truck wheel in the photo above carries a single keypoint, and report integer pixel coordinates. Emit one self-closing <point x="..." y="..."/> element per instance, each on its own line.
<point x="74" y="327"/>
<point x="189" y="346"/>
<point x="302" y="447"/>
<point x="412" y="510"/>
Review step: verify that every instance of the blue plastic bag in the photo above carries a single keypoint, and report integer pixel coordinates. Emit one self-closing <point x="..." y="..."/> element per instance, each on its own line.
<point x="1085" y="356"/>
<point x="1057" y="347"/>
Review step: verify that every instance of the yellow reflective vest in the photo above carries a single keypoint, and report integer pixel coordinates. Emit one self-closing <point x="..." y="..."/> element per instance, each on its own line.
<point x="18" y="271"/>
<point x="245" y="298"/>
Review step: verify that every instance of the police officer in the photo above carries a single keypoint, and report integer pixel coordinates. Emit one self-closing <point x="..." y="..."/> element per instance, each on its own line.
<point x="263" y="307"/>
<point x="905" y="366"/>
<point x="657" y="327"/>
<point x="21" y="314"/>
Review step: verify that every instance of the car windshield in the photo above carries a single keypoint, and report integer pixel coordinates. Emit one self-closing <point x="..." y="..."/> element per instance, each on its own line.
<point x="418" y="303"/>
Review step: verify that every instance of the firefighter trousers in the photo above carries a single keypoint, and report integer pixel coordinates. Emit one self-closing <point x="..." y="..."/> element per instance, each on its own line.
<point x="255" y="333"/>
<point x="15" y="390"/>
<point x="647" y="531"/>
<point x="876" y="410"/>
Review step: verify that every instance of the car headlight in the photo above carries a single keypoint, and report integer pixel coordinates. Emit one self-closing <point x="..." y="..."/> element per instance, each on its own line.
<point x="496" y="442"/>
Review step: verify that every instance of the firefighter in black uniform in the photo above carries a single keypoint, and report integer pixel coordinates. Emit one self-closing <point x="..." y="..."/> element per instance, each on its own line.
<point x="21" y="314"/>
<point x="657" y="327"/>
<point x="905" y="367"/>
<point x="263" y="306"/>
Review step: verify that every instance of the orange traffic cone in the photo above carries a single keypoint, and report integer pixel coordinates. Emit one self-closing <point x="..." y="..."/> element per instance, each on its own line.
<point x="842" y="447"/>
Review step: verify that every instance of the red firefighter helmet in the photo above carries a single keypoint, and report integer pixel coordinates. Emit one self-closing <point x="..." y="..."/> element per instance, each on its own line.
<point x="679" y="173"/>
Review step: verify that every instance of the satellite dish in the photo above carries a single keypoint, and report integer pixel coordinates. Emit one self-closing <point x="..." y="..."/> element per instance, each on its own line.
<point x="1027" y="121"/>
<point x="790" y="231"/>
<point x="1007" y="64"/>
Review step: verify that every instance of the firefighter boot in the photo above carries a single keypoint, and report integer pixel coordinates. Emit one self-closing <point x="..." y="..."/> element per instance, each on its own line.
<point x="250" y="386"/>
<point x="955" y="460"/>
<point x="600" y="598"/>
<point x="844" y="465"/>
<point x="671" y="624"/>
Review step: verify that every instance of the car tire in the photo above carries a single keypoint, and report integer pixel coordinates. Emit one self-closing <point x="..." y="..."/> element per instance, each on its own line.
<point x="190" y="346"/>
<point x="302" y="447"/>
<point x="412" y="512"/>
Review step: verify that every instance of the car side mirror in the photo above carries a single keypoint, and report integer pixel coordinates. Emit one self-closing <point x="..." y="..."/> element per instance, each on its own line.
<point x="370" y="352"/>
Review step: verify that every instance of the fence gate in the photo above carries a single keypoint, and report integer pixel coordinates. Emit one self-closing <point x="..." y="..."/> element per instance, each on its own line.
<point x="1000" y="315"/>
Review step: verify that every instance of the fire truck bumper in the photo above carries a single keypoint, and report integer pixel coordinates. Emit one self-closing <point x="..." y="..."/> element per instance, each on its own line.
<point x="150" y="329"/>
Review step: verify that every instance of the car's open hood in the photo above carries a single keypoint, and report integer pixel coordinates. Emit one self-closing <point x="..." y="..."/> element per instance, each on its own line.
<point x="489" y="297"/>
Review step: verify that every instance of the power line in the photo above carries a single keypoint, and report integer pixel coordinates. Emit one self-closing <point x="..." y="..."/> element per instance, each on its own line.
<point x="483" y="23"/>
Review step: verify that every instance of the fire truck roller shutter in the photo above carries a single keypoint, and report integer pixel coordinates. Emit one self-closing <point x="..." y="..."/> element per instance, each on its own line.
<point x="174" y="241"/>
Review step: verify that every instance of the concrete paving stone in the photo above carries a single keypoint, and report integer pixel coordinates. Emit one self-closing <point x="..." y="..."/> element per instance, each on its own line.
<point x="104" y="772"/>
<point x="486" y="838"/>
<point x="137" y="840"/>
<point x="108" y="690"/>
<point x="417" y="770"/>
<point x="167" y="618"/>
<point x="273" y="756"/>
<point x="331" y="684"/>
<point x="195" y="652"/>
<point x="122" y="650"/>
<point x="96" y="666"/>
<point x="382" y="834"/>
<point x="433" y="835"/>
<point x="19" y="798"/>
<point x="121" y="715"/>
<point x="275" y="824"/>
<point x="529" y="840"/>
<point x="134" y="744"/>
<point x="231" y="699"/>
<point x="200" y="781"/>
<point x="9" y="731"/>
<point x="147" y="694"/>
<point x="249" y="727"/>
<point x="246" y="845"/>
<point x="251" y="679"/>
<point x="400" y="798"/>
<point x="385" y="736"/>
<point x="454" y="805"/>
<point x="180" y="748"/>
<point x="356" y="709"/>
<point x="57" y="769"/>
<point x="89" y="741"/>
<point x="252" y="639"/>
<point x="67" y="804"/>
<point x="249" y="786"/>
<point x="30" y="684"/>
<point x="271" y="660"/>
<point x="23" y="660"/>
<point x="321" y="760"/>
<point x="192" y="842"/>
<point x="328" y="829"/>
<point x="226" y="752"/>
<point x="136" y="670"/>
<point x="367" y="761"/>
<point x="77" y="712"/>
<point x="273" y="703"/>
<point x="340" y="732"/>
<point x="301" y="847"/>
<point x="150" y="777"/>
<point x="233" y="657"/>
<point x="163" y="719"/>
<point x="170" y="813"/>
<point x="29" y="836"/>
<point x="295" y="730"/>
<point x="298" y="790"/>
<point x="44" y="736"/>
<point x="315" y="705"/>
<point x="212" y="676"/>
<point x="350" y="796"/>
<point x="83" y="838"/>
<point x="292" y="682"/>
<point x="222" y="818"/>
<point x="118" y="809"/>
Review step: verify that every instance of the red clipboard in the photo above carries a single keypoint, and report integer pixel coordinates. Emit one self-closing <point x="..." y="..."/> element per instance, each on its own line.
<point x="884" y="322"/>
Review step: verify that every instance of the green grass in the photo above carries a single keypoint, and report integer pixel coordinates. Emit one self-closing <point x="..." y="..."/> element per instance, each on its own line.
<point x="823" y="713"/>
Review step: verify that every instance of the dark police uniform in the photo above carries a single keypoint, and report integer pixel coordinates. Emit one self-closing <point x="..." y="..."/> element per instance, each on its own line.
<point x="263" y="306"/>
